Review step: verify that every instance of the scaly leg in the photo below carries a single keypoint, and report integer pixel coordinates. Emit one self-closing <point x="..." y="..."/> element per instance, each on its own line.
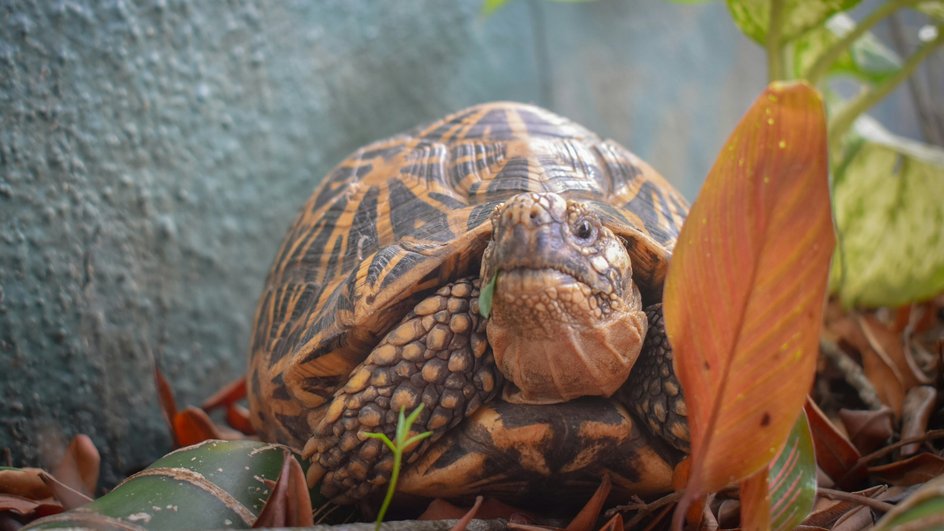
<point x="438" y="356"/>
<point x="652" y="391"/>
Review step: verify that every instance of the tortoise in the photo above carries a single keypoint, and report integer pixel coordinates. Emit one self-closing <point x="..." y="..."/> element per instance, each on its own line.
<point x="503" y="267"/>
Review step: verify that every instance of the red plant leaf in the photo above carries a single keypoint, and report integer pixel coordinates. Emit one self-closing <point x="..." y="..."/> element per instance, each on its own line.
<point x="193" y="425"/>
<point x="466" y="519"/>
<point x="67" y="496"/>
<point x="168" y="405"/>
<point x="755" y="501"/>
<point x="289" y="505"/>
<point x="588" y="516"/>
<point x="745" y="291"/>
<point x="237" y="416"/>
<point x="227" y="395"/>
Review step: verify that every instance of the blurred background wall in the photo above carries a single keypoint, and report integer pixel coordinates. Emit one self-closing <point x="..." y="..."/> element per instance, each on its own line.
<point x="153" y="152"/>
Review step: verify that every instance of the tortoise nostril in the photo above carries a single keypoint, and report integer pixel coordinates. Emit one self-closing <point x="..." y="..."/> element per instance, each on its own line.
<point x="534" y="212"/>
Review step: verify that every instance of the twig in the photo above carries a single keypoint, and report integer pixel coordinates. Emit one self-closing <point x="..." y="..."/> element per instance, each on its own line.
<point x="882" y="452"/>
<point x="775" y="62"/>
<point x="643" y="508"/>
<point x="855" y="498"/>
<point x="931" y="127"/>
<point x="851" y="372"/>
<point x="844" y="118"/>
<point x="826" y="60"/>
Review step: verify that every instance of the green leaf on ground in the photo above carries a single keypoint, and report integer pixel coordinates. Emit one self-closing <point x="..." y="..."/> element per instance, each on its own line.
<point x="922" y="510"/>
<point x="868" y="59"/>
<point x="888" y="196"/>
<point x="799" y="16"/>
<point x="214" y="484"/>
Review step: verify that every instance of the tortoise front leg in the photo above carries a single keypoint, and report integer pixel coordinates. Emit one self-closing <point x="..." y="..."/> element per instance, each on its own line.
<point x="652" y="391"/>
<point x="438" y="355"/>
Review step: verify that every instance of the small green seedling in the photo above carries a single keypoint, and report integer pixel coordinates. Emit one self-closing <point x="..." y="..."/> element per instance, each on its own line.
<point x="397" y="446"/>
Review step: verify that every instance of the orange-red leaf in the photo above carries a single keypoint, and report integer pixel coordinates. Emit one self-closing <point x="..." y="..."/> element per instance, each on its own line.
<point x="755" y="502"/>
<point x="745" y="289"/>
<point x="227" y="395"/>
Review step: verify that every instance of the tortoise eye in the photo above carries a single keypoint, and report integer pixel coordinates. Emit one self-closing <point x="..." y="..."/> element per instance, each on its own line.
<point x="583" y="229"/>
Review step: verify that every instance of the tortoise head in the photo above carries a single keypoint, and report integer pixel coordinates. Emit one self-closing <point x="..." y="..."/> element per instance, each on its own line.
<point x="566" y="317"/>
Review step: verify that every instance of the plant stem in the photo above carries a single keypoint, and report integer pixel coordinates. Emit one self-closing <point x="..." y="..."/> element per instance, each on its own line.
<point x="846" y="116"/>
<point x="397" y="457"/>
<point x="775" y="62"/>
<point x="820" y="68"/>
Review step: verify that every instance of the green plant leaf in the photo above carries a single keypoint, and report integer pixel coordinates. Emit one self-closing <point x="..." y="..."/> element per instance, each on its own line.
<point x="922" y="510"/>
<point x="214" y="484"/>
<point x="792" y="478"/>
<point x="868" y="59"/>
<point x="888" y="195"/>
<point x="933" y="9"/>
<point x="799" y="16"/>
<point x="491" y="6"/>
<point x="401" y="443"/>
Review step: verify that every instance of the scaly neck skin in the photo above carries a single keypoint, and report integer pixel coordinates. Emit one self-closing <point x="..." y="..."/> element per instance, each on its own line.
<point x="566" y="318"/>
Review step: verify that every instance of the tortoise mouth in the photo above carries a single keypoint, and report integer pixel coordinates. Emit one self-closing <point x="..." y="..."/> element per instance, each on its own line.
<point x="536" y="298"/>
<point x="534" y="279"/>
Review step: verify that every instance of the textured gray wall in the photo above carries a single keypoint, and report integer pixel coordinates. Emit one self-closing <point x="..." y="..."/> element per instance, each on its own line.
<point x="152" y="153"/>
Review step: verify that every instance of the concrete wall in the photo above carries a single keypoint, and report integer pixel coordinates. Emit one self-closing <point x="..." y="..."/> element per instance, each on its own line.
<point x="153" y="152"/>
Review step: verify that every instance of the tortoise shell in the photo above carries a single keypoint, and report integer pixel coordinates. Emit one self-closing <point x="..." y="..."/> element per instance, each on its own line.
<point x="404" y="216"/>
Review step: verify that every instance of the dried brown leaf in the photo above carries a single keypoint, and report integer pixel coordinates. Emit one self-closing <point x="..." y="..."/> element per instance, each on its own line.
<point x="880" y="370"/>
<point x="913" y="470"/>
<point x="891" y="347"/>
<point x="28" y="507"/>
<point x="835" y="454"/>
<point x="69" y="498"/>
<point x="868" y="429"/>
<point x="919" y="404"/>
<point x="24" y="483"/>
<point x="827" y="511"/>
<point x="79" y="466"/>
<point x="855" y="520"/>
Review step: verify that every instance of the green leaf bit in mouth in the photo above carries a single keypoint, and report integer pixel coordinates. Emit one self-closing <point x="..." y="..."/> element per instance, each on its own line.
<point x="485" y="296"/>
